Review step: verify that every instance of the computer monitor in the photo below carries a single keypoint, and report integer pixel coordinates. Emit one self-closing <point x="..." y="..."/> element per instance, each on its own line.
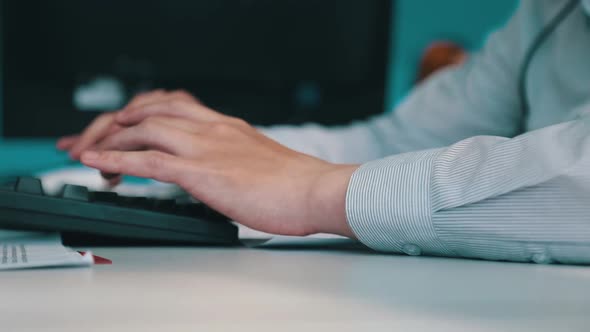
<point x="269" y="62"/>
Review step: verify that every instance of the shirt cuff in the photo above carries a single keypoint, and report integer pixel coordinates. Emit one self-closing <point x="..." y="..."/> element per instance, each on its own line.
<point x="388" y="204"/>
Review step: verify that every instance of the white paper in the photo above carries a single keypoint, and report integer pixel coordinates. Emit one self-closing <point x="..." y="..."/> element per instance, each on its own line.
<point x="258" y="239"/>
<point x="21" y="250"/>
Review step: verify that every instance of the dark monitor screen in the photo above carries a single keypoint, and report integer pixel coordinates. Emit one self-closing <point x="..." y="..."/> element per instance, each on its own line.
<point x="288" y="61"/>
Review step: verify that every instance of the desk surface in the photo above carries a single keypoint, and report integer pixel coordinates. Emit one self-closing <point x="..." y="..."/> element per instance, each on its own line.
<point x="216" y="289"/>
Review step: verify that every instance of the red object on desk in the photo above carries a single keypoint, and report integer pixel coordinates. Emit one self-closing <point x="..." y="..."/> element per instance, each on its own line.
<point x="98" y="260"/>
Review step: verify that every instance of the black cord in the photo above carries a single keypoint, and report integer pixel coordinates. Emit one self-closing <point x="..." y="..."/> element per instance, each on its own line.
<point x="537" y="43"/>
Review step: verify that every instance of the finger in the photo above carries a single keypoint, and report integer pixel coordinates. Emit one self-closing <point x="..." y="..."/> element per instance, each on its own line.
<point x="159" y="96"/>
<point x="182" y="94"/>
<point x="153" y="135"/>
<point x="172" y="108"/>
<point x="179" y="123"/>
<point x="147" y="98"/>
<point x="114" y="181"/>
<point x="65" y="143"/>
<point x="113" y="129"/>
<point x="109" y="176"/>
<point x="147" y="164"/>
<point x="94" y="133"/>
<point x="112" y="178"/>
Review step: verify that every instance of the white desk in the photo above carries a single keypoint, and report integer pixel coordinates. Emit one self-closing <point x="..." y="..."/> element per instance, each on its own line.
<point x="208" y="289"/>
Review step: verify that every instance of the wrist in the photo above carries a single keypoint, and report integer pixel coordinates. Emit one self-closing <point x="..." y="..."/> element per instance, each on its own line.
<point x="328" y="201"/>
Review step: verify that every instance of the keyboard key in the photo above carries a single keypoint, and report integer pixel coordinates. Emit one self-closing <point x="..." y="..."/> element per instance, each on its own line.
<point x="199" y="210"/>
<point x="29" y="185"/>
<point x="214" y="215"/>
<point x="8" y="186"/>
<point x="164" y="205"/>
<point x="134" y="202"/>
<point x="105" y="197"/>
<point x="74" y="192"/>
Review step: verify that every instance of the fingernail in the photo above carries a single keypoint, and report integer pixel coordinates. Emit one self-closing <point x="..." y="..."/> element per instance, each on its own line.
<point x="89" y="155"/>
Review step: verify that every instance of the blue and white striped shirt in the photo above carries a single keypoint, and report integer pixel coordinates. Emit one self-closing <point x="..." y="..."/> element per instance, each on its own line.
<point x="448" y="174"/>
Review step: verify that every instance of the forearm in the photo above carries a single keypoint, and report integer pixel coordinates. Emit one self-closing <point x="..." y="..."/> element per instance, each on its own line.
<point x="358" y="142"/>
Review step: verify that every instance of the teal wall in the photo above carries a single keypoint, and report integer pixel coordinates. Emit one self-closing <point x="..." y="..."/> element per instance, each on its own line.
<point x="418" y="23"/>
<point x="28" y="156"/>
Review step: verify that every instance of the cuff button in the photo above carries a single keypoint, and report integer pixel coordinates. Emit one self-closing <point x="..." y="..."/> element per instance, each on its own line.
<point x="542" y="258"/>
<point x="412" y="250"/>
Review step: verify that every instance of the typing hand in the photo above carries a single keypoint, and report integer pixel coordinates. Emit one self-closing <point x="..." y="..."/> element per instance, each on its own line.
<point x="105" y="125"/>
<point x="228" y="165"/>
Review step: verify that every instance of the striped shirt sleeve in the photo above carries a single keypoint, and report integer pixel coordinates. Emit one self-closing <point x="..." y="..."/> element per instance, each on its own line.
<point x="523" y="199"/>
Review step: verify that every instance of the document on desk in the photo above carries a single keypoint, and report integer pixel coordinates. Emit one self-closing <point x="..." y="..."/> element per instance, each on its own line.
<point x="22" y="250"/>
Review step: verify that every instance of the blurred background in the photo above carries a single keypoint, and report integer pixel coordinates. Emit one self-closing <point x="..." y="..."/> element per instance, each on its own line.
<point x="270" y="62"/>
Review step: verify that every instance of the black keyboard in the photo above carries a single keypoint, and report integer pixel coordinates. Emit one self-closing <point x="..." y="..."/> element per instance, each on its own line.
<point x="105" y="218"/>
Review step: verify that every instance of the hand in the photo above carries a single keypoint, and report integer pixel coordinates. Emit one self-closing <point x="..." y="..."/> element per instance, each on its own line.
<point x="228" y="165"/>
<point x="105" y="123"/>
